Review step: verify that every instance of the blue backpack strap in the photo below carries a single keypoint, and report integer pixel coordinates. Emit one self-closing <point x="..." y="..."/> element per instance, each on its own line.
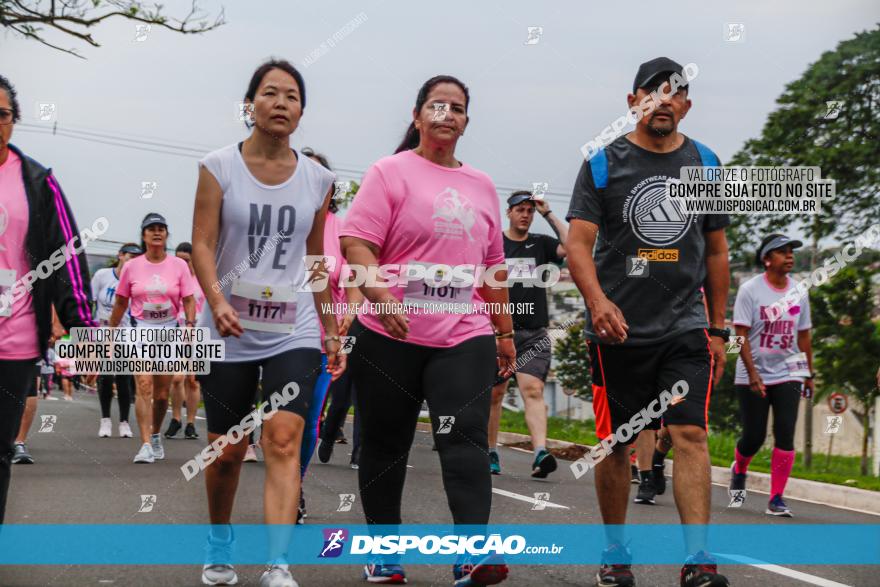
<point x="599" y="167"/>
<point x="707" y="157"/>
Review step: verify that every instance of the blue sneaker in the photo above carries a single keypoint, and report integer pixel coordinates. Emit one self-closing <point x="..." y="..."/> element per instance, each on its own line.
<point x="544" y="464"/>
<point x="490" y="570"/>
<point x="379" y="573"/>
<point x="494" y="463"/>
<point x="777" y="507"/>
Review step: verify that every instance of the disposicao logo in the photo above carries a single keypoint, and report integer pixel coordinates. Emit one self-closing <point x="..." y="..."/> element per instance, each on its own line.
<point x="334" y="541"/>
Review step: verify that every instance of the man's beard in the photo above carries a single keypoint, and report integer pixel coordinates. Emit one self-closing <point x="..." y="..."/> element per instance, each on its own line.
<point x="660" y="132"/>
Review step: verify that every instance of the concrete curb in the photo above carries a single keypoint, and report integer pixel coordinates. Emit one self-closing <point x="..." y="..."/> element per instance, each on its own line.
<point x="838" y="496"/>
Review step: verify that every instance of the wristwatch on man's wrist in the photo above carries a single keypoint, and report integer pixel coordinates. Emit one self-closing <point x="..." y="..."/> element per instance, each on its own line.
<point x="722" y="333"/>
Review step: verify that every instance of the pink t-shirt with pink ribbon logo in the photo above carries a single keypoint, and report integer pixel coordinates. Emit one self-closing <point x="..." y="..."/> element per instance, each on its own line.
<point x="155" y="290"/>
<point x="419" y="212"/>
<point x="18" y="324"/>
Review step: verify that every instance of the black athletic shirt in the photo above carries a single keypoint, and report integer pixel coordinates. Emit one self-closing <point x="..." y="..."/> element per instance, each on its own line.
<point x="536" y="250"/>
<point x="635" y="219"/>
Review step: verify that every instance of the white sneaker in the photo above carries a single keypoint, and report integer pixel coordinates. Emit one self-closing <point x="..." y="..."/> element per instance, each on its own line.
<point x="68" y="398"/>
<point x="156" y="445"/>
<point x="124" y="430"/>
<point x="145" y="454"/>
<point x="106" y="428"/>
<point x="250" y="456"/>
<point x="277" y="576"/>
<point x="217" y="569"/>
<point x="219" y="575"/>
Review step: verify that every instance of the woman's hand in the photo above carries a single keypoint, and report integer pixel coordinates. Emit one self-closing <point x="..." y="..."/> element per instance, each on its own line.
<point x="506" y="356"/>
<point x="393" y="317"/>
<point x="756" y="384"/>
<point x="336" y="361"/>
<point x="226" y="319"/>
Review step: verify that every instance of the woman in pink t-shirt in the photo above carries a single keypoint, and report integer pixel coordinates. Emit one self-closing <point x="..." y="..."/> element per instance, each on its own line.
<point x="42" y="265"/>
<point x="156" y="285"/>
<point x="430" y="339"/>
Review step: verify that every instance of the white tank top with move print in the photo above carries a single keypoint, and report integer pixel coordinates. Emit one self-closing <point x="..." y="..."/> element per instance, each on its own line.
<point x="260" y="252"/>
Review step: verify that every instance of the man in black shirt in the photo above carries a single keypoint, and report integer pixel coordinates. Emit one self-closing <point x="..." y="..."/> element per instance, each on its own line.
<point x="646" y="318"/>
<point x="527" y="256"/>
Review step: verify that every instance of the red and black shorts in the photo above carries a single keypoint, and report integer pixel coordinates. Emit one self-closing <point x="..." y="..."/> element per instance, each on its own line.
<point x="627" y="379"/>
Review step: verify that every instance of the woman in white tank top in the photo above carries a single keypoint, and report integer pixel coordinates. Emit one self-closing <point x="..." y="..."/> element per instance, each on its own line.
<point x="259" y="218"/>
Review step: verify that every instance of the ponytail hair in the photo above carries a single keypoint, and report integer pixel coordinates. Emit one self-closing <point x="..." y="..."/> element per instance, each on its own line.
<point x="412" y="137"/>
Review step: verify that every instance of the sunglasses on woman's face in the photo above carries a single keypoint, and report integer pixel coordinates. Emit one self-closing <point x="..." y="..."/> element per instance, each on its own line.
<point x="6" y="116"/>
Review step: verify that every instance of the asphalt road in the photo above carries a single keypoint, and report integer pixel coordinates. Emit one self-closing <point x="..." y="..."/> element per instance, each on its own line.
<point x="80" y="478"/>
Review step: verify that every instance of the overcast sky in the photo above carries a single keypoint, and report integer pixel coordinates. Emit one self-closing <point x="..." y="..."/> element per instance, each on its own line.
<point x="532" y="106"/>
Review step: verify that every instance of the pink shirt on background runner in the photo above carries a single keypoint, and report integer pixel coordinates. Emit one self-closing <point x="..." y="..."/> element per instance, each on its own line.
<point x="18" y="331"/>
<point x="418" y="211"/>
<point x="142" y="281"/>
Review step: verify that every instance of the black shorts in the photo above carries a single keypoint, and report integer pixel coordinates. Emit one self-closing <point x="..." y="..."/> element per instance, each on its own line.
<point x="533" y="354"/>
<point x="627" y="379"/>
<point x="230" y="389"/>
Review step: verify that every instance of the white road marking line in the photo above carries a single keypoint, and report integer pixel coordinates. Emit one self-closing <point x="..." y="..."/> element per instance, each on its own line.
<point x="791" y="573"/>
<point x="531" y="500"/>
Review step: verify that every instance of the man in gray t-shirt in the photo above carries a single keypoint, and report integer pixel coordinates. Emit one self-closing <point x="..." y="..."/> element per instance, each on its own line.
<point x="651" y="350"/>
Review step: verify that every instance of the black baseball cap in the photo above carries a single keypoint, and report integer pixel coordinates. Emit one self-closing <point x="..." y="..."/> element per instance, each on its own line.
<point x="777" y="243"/>
<point x="650" y="70"/>
<point x="132" y="249"/>
<point x="154" y="218"/>
<point x="518" y="198"/>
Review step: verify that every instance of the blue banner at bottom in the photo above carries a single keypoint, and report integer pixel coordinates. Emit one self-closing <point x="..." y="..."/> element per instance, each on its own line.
<point x="571" y="544"/>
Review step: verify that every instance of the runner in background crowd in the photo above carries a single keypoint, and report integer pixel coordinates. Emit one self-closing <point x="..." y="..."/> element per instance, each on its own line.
<point x="38" y="221"/>
<point x="422" y="206"/>
<point x="774" y="368"/>
<point x="104" y="285"/>
<point x="341" y="390"/>
<point x="153" y="288"/>
<point x="181" y="380"/>
<point x="262" y="203"/>
<point x="525" y="253"/>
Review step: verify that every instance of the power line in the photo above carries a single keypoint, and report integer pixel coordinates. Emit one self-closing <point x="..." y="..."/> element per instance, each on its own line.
<point x="128" y="142"/>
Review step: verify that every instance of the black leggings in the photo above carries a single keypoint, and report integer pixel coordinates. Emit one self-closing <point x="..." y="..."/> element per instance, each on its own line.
<point x="392" y="378"/>
<point x="754" y="411"/>
<point x="124" y="385"/>
<point x="342" y="395"/>
<point x="16" y="378"/>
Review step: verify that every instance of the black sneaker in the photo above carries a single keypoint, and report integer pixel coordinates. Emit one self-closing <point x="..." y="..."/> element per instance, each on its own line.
<point x="301" y="514"/>
<point x="616" y="569"/>
<point x="355" y="458"/>
<point x="634" y="472"/>
<point x="659" y="478"/>
<point x="544" y="464"/>
<point x="777" y="507"/>
<point x="325" y="451"/>
<point x="190" y="431"/>
<point x="173" y="428"/>
<point x="340" y="437"/>
<point x="737" y="488"/>
<point x="22" y="456"/>
<point x="700" y="570"/>
<point x="647" y="491"/>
